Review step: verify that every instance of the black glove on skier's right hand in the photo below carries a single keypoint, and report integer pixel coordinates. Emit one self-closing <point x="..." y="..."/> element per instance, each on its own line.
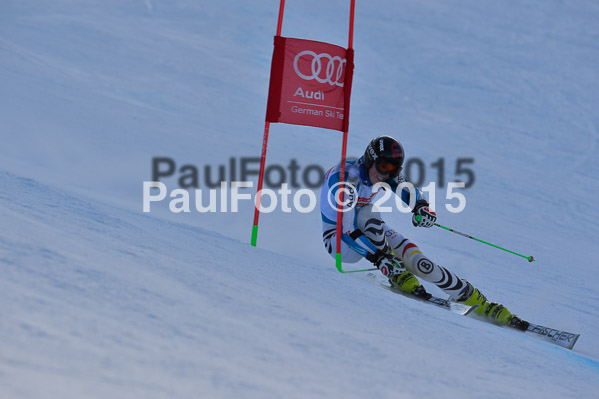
<point x="423" y="216"/>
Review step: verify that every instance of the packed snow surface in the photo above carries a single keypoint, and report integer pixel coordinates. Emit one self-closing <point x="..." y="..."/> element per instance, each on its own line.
<point x="100" y="299"/>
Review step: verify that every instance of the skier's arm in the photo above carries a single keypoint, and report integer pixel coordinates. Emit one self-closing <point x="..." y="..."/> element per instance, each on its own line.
<point x="422" y="216"/>
<point x="409" y="193"/>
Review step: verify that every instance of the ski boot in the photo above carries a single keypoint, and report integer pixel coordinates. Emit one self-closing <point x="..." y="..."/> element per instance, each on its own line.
<point x="408" y="283"/>
<point x="518" y="323"/>
<point x="492" y="311"/>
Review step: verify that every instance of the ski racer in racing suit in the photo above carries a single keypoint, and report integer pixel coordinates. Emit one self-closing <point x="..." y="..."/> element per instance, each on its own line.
<point x="366" y="235"/>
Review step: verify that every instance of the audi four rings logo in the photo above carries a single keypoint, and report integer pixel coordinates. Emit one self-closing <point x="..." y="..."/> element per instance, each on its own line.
<point x="334" y="68"/>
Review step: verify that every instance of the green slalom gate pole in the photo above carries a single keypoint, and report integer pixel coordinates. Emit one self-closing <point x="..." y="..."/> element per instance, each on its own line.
<point x="340" y="267"/>
<point x="529" y="258"/>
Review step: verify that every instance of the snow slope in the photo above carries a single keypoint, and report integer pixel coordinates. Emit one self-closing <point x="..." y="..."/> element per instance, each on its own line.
<point x="101" y="300"/>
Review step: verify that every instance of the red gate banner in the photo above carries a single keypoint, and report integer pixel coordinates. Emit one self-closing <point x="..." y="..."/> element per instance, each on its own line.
<point x="310" y="84"/>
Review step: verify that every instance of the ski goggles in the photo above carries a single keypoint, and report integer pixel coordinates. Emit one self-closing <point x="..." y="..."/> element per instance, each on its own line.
<point x="388" y="168"/>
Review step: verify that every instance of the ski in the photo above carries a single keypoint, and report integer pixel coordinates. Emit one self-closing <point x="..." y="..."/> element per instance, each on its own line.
<point x="558" y="337"/>
<point x="453" y="307"/>
<point x="554" y="336"/>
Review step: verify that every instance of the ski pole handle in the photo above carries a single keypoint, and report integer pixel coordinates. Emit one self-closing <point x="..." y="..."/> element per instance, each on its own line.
<point x="529" y="258"/>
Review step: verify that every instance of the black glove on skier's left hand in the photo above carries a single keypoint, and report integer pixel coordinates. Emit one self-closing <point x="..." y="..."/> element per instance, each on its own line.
<point x="388" y="264"/>
<point x="423" y="215"/>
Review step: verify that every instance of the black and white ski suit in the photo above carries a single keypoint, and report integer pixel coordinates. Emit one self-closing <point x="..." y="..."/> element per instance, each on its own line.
<point x="364" y="231"/>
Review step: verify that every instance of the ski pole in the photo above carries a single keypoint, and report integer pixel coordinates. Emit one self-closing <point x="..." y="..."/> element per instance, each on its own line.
<point x="529" y="258"/>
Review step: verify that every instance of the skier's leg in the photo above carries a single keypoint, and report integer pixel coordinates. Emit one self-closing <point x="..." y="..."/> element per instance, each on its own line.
<point x="415" y="261"/>
<point x="386" y="239"/>
<point x="370" y="223"/>
<point x="329" y="238"/>
<point x="458" y="289"/>
<point x="353" y="247"/>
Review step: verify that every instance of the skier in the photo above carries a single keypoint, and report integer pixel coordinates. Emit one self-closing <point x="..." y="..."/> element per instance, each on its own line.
<point x="366" y="235"/>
